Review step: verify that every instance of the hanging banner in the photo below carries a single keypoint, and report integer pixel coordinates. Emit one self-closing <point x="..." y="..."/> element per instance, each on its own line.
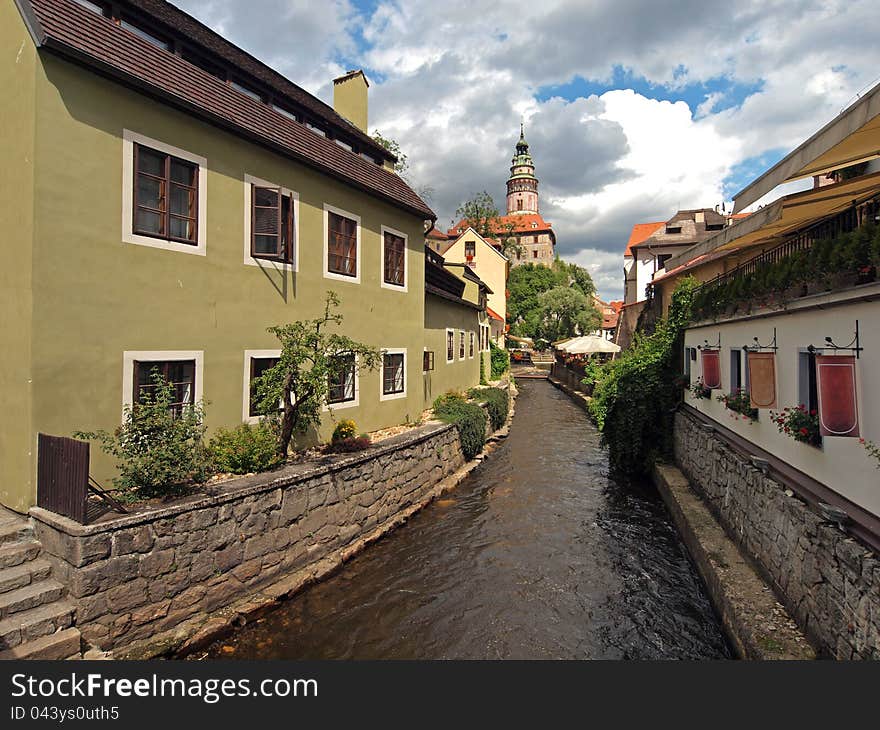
<point x="838" y="403"/>
<point x="762" y="379"/>
<point x="711" y="368"/>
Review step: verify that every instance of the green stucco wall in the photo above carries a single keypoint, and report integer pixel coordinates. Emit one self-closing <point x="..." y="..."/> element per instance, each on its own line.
<point x="17" y="79"/>
<point x="458" y="374"/>
<point x="96" y="297"/>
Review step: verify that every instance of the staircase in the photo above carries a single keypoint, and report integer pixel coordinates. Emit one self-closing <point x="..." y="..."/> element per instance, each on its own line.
<point x="36" y="622"/>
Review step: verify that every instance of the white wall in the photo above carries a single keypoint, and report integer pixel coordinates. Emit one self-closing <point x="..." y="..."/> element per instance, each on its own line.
<point x="841" y="463"/>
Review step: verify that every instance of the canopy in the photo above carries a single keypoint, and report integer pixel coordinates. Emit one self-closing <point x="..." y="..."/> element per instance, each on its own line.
<point x="588" y="345"/>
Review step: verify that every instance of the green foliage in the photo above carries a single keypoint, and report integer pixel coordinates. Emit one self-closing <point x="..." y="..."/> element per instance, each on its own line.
<point x="497" y="403"/>
<point x="594" y="371"/>
<point x="158" y="451"/>
<point x="401" y="167"/>
<point x="699" y="391"/>
<point x="798" y="423"/>
<point x="565" y="312"/>
<point x="469" y="419"/>
<point x="872" y="449"/>
<point x="635" y="396"/>
<point x="851" y="254"/>
<point x="481" y="214"/>
<point x="309" y="357"/>
<point x="500" y="360"/>
<point x="345" y="429"/>
<point x="245" y="449"/>
<point x="739" y="402"/>
<point x="483" y="380"/>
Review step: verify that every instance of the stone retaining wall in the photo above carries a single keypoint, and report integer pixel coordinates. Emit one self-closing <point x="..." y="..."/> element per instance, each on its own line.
<point x="136" y="576"/>
<point x="829" y="582"/>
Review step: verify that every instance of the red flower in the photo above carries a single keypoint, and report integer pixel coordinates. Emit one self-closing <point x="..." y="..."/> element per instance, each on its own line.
<point x="804" y="432"/>
<point x="813" y="412"/>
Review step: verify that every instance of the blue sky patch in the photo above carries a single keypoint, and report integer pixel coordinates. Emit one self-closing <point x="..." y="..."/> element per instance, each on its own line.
<point x="744" y="172"/>
<point x="733" y="92"/>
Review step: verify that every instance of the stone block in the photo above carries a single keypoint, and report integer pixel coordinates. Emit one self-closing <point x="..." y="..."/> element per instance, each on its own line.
<point x="78" y="551"/>
<point x="157" y="563"/>
<point x="258" y="546"/>
<point x="127" y="596"/>
<point x="103" y="575"/>
<point x="229" y="557"/>
<point x="294" y="504"/>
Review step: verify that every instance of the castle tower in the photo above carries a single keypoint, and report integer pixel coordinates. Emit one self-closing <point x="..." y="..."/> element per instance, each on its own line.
<point x="522" y="185"/>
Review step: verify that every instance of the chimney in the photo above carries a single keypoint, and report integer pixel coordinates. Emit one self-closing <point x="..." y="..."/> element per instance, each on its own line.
<point x="700" y="217"/>
<point x="350" y="98"/>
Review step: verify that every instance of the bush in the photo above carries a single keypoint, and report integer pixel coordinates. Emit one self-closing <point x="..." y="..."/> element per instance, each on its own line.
<point x="500" y="360"/>
<point x="497" y="403"/>
<point x="483" y="380"/>
<point x="634" y="400"/>
<point x="348" y="444"/>
<point x="158" y="449"/>
<point x="469" y="419"/>
<point x="346" y="429"/>
<point x="245" y="449"/>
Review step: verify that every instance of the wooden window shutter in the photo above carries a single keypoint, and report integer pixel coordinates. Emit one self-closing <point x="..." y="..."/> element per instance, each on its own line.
<point x="266" y="230"/>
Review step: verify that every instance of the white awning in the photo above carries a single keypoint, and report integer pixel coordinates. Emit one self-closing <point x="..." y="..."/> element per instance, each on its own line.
<point x="588" y="345"/>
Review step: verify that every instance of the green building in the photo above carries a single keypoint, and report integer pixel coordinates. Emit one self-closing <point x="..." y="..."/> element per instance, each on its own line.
<point x="166" y="197"/>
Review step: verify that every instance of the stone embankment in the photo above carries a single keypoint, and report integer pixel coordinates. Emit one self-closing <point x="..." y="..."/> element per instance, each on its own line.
<point x="174" y="578"/>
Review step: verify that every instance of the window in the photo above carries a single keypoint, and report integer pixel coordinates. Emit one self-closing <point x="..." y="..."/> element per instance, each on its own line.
<point x="393" y="374"/>
<point x="258" y="366"/>
<point x="344" y="145"/>
<point x="246" y="90"/>
<point x="342" y="380"/>
<point x="317" y="130"/>
<point x="95" y="7"/>
<point x="197" y="60"/>
<point x="660" y="261"/>
<point x="673" y="229"/>
<point x="427" y="361"/>
<point x="519" y="203"/>
<point x="714" y="226"/>
<point x="393" y="259"/>
<point x="163" y="195"/>
<point x="285" y="113"/>
<point x="146" y="35"/>
<point x="535" y="254"/>
<point x="450" y="345"/>
<point x="180" y="374"/>
<point x="470" y="249"/>
<point x="471" y="343"/>
<point x="271" y="224"/>
<point x="461" y="345"/>
<point x="342" y="232"/>
<point x="536" y="238"/>
<point x="808" y="392"/>
<point x="687" y="364"/>
<point x="735" y="370"/>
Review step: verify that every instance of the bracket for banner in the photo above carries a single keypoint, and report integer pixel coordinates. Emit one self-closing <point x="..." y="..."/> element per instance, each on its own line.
<point x="758" y="347"/>
<point x="854" y="346"/>
<point x="707" y="346"/>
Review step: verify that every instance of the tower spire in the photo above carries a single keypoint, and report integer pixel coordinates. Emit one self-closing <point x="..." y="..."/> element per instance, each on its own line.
<point x="522" y="185"/>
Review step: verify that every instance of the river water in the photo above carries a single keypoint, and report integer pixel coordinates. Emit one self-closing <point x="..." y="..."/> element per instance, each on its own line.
<point x="538" y="554"/>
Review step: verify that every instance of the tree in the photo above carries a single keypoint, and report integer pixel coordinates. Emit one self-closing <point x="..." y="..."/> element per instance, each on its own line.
<point x="565" y="312"/>
<point x="401" y="167"/>
<point x="481" y="214"/>
<point x="524" y="286"/>
<point x="310" y="355"/>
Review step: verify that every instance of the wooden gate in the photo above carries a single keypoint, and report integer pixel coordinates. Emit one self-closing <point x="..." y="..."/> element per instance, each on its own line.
<point x="63" y="476"/>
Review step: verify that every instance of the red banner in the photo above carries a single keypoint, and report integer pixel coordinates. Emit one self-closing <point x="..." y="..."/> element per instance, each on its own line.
<point x="762" y="379"/>
<point x="711" y="368"/>
<point x="838" y="401"/>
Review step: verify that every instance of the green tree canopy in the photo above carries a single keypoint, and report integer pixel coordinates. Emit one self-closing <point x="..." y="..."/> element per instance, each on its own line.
<point x="565" y="311"/>
<point x="480" y="213"/>
<point x="401" y="167"/>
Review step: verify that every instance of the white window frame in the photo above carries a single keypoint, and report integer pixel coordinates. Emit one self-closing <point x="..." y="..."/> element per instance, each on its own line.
<point x="129" y="139"/>
<point x="382" y="282"/>
<point x="393" y="351"/>
<point x="462" y="346"/>
<point x="246" y="416"/>
<point x="358" y="247"/>
<point x="129" y="357"/>
<point x="471" y="344"/>
<point x="330" y="407"/>
<point x="446" y="345"/>
<point x="249" y="182"/>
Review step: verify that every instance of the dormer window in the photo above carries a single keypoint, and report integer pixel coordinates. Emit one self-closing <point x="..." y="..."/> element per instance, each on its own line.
<point x="146" y="35"/>
<point x="673" y="229"/>
<point x="714" y="226"/>
<point x="284" y="113"/>
<point x="342" y="144"/>
<point x="98" y="8"/>
<point x="247" y="91"/>
<point x="316" y="129"/>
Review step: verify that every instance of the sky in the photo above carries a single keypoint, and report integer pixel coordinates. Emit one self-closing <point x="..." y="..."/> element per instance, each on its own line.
<point x="633" y="108"/>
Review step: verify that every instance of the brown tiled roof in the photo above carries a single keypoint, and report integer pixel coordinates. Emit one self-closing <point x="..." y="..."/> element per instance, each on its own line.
<point x="83" y="36"/>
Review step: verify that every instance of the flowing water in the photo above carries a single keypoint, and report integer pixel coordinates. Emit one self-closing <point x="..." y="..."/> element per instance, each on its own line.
<point x="538" y="554"/>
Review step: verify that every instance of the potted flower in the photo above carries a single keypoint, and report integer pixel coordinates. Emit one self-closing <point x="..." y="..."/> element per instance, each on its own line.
<point x="872" y="449"/>
<point x="799" y="423"/>
<point x="740" y="403"/>
<point x="700" y="391"/>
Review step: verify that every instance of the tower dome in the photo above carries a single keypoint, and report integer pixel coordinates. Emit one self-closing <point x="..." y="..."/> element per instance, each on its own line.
<point x="522" y="185"/>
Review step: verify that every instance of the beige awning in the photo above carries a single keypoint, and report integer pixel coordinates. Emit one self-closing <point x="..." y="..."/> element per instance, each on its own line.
<point x="784" y="217"/>
<point x="588" y="345"/>
<point x="851" y="137"/>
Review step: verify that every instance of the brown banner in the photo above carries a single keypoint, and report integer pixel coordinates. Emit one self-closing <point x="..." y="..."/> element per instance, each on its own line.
<point x="762" y="379"/>
<point x="711" y="368"/>
<point x="838" y="402"/>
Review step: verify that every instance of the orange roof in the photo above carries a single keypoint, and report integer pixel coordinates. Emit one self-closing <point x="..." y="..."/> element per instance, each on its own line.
<point x="521" y="224"/>
<point x="493" y="314"/>
<point x="640" y="232"/>
<point x="616" y="306"/>
<point x="437" y="234"/>
<point x="609" y="321"/>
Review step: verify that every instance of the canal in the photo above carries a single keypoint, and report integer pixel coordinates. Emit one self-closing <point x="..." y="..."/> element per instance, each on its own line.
<point x="538" y="554"/>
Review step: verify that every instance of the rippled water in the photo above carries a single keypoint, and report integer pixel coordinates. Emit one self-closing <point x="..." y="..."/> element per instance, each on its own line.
<point x="537" y="555"/>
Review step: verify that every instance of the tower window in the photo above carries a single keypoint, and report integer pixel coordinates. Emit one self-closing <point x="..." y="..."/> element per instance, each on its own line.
<point x="519" y="203"/>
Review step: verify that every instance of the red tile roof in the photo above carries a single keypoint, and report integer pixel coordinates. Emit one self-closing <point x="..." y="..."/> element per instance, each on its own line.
<point x="640" y="232"/>
<point x="83" y="36"/>
<point x="521" y="224"/>
<point x="491" y="312"/>
<point x="437" y="235"/>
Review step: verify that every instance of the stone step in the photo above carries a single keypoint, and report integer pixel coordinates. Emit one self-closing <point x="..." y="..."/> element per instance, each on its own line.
<point x="63" y="644"/>
<point x="23" y="575"/>
<point x="37" y="594"/>
<point x="15" y="530"/>
<point x="18" y="553"/>
<point x="33" y="623"/>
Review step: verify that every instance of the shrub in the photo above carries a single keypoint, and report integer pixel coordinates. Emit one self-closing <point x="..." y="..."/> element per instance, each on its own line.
<point x="348" y="444"/>
<point x="245" y="449"/>
<point x="469" y="419"/>
<point x="483" y="380"/>
<point x="345" y="429"/>
<point x="159" y="449"/>
<point x="740" y="402"/>
<point x="500" y="360"/>
<point x="497" y="403"/>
